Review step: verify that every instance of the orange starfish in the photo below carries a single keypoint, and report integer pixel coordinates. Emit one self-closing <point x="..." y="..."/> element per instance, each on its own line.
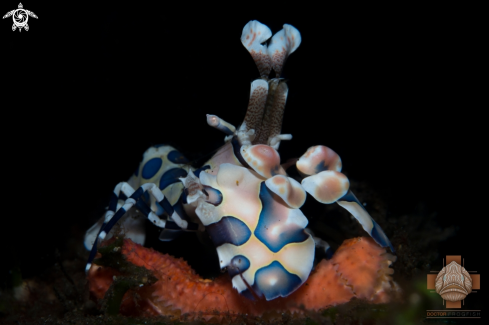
<point x="359" y="268"/>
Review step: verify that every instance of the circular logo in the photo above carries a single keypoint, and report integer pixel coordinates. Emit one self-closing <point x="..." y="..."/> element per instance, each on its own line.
<point x="20" y="17"/>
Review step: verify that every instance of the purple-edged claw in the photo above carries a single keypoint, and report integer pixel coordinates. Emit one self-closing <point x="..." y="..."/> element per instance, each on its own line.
<point x="263" y="159"/>
<point x="327" y="186"/>
<point x="282" y="45"/>
<point x="288" y="189"/>
<point x="350" y="202"/>
<point x="255" y="33"/>
<point x="318" y="159"/>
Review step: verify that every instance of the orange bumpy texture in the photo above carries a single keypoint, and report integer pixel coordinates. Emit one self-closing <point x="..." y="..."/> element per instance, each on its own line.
<point x="359" y="268"/>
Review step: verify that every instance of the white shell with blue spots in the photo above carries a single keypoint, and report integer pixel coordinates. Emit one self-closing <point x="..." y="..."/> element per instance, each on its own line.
<point x="160" y="163"/>
<point x="257" y="225"/>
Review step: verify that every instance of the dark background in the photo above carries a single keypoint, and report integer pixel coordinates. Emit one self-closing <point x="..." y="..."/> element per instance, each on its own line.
<point x="88" y="88"/>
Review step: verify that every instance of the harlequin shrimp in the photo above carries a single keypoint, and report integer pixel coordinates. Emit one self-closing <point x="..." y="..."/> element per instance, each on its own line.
<point x="242" y="197"/>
